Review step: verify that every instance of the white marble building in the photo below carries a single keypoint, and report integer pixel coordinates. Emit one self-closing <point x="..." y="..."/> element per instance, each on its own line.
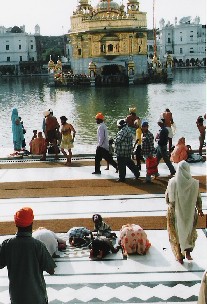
<point x="16" y="47"/>
<point x="185" y="39"/>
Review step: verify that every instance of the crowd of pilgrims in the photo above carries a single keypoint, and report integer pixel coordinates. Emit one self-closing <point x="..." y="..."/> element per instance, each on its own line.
<point x="182" y="197"/>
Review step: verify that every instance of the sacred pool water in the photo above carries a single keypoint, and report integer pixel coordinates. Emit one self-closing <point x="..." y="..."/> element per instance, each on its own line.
<point x="185" y="97"/>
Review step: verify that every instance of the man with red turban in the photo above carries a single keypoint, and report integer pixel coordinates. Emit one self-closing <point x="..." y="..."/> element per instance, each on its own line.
<point x="26" y="258"/>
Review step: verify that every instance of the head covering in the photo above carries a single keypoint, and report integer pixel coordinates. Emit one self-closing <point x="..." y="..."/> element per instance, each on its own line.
<point x="14" y="115"/>
<point x="46" y="113"/>
<point x="51" y="111"/>
<point x="121" y="123"/>
<point x="24" y="217"/>
<point x="145" y="124"/>
<point x="183" y="189"/>
<point x="161" y="120"/>
<point x="181" y="141"/>
<point x="63" y="118"/>
<point x="99" y="116"/>
<point x="96" y="217"/>
<point x="132" y="110"/>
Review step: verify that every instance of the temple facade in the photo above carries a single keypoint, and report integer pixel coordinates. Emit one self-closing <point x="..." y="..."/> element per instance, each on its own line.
<point x="108" y="41"/>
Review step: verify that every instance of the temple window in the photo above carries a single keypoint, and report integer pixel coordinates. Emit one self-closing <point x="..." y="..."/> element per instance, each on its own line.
<point x="79" y="52"/>
<point x="110" y="48"/>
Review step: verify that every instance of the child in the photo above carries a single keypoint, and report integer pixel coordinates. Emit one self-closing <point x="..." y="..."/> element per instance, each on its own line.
<point x="202" y="130"/>
<point x="151" y="166"/>
<point x="101" y="228"/>
<point x="138" y="141"/>
<point x="111" y="151"/>
<point x="33" y="137"/>
<point x="34" y="134"/>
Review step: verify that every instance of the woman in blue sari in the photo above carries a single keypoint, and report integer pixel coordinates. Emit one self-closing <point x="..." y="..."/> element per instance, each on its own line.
<point x="17" y="130"/>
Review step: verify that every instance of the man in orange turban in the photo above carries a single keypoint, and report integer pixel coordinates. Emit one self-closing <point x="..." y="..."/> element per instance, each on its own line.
<point x="24" y="217"/>
<point x="102" y="149"/>
<point x="26" y="258"/>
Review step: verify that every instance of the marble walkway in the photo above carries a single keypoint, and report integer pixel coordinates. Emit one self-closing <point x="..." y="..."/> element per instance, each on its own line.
<point x="154" y="278"/>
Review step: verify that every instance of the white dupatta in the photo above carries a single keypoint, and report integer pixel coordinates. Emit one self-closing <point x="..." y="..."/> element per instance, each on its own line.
<point x="183" y="190"/>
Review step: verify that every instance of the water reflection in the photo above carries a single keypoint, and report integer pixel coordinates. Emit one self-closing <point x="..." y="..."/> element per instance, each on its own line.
<point x="185" y="96"/>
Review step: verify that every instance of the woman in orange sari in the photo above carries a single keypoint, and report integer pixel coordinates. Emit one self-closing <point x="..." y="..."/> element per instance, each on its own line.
<point x="180" y="151"/>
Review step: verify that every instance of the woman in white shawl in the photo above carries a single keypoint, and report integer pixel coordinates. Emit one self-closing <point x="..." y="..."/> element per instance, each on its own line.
<point x="184" y="206"/>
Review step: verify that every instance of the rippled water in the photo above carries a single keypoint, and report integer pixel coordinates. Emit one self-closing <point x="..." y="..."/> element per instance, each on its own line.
<point x="185" y="97"/>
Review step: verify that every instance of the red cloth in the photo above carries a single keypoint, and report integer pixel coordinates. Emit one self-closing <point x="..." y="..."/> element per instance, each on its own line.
<point x="151" y="165"/>
<point x="24" y="217"/>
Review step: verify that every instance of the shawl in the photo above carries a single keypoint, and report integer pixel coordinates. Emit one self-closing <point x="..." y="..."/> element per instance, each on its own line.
<point x="17" y="129"/>
<point x="183" y="190"/>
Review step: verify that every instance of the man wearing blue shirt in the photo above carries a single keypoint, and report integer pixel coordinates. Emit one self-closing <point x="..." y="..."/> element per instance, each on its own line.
<point x="162" y="146"/>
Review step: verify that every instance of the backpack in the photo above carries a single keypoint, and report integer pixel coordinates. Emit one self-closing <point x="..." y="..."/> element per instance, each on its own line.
<point x="79" y="236"/>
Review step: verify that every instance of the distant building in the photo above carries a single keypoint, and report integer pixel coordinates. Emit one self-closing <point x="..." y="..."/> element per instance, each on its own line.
<point x="16" y="47"/>
<point x="108" y="40"/>
<point x="186" y="41"/>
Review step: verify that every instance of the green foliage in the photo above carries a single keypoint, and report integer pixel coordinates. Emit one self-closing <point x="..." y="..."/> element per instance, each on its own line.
<point x="54" y="52"/>
<point x="16" y="29"/>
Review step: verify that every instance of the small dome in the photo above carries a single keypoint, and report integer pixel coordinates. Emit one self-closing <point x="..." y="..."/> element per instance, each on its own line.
<point x="103" y="5"/>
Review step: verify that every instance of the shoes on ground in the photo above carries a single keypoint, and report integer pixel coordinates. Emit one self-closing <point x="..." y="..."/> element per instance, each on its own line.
<point x="98" y="172"/>
<point x="137" y="176"/>
<point x="120" y="180"/>
<point x="171" y="175"/>
<point x="42" y="159"/>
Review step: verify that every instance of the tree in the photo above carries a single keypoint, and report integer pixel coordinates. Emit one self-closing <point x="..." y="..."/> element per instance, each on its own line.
<point x="16" y="29"/>
<point x="55" y="54"/>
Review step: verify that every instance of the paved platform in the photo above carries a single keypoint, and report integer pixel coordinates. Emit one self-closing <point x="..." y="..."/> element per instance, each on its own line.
<point x="77" y="173"/>
<point x="154" y="278"/>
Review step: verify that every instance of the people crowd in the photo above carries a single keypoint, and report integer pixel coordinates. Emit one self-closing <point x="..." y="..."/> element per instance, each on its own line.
<point x="29" y="253"/>
<point x="133" y="144"/>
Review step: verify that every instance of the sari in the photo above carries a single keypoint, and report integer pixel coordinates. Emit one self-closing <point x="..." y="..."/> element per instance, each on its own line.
<point x="184" y="202"/>
<point x="17" y="130"/>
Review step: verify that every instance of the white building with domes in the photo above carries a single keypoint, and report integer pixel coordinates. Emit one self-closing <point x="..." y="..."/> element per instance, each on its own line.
<point x="185" y="40"/>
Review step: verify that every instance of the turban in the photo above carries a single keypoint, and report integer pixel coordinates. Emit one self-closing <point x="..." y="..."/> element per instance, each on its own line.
<point x="145" y="124"/>
<point x="46" y="113"/>
<point x="121" y="123"/>
<point x="132" y="110"/>
<point x="24" y="217"/>
<point x="99" y="116"/>
<point x="161" y="120"/>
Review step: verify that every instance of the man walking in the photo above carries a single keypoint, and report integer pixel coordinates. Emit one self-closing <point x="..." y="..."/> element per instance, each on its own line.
<point x="26" y="259"/>
<point x="51" y="129"/>
<point x="162" y="146"/>
<point x="102" y="150"/>
<point x="123" y="149"/>
<point x="167" y="115"/>
<point x="147" y="147"/>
